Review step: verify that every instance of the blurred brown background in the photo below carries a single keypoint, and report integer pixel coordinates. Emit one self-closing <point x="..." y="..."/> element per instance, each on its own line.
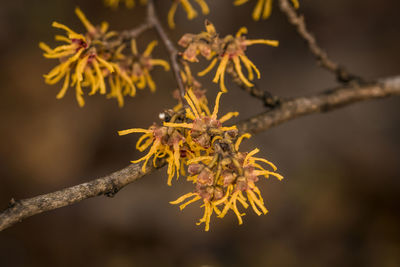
<point x="339" y="203"/>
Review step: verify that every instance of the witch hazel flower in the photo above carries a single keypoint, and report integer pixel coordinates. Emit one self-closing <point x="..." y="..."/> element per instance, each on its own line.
<point x="226" y="52"/>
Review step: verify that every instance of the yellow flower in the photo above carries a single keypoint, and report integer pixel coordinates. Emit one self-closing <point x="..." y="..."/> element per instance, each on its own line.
<point x="222" y="175"/>
<point x="205" y="125"/>
<point x="164" y="142"/>
<point x="234" y="52"/>
<point x="190" y="11"/>
<point x="228" y="51"/>
<point x="81" y="64"/>
<point x="120" y="85"/>
<point x="209" y="205"/>
<point x="194" y="137"/>
<point x="133" y="71"/>
<point x="263" y="8"/>
<point x="245" y="182"/>
<point x="225" y="177"/>
<point x="144" y="64"/>
<point x="87" y="59"/>
<point x="128" y="3"/>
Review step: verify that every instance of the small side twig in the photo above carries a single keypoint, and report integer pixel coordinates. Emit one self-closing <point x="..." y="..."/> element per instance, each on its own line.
<point x="324" y="61"/>
<point x="269" y="100"/>
<point x="173" y="52"/>
<point x="135" y="32"/>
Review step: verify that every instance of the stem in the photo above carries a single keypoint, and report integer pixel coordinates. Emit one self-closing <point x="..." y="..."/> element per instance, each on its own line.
<point x="173" y="52"/>
<point x="109" y="185"/>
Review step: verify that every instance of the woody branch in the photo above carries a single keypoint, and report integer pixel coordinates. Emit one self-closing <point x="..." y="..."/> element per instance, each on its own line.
<point x="109" y="185"/>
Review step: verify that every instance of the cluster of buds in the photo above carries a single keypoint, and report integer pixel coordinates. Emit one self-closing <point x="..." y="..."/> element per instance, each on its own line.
<point x="228" y="51"/>
<point x="193" y="139"/>
<point x="263" y="8"/>
<point x="86" y="60"/>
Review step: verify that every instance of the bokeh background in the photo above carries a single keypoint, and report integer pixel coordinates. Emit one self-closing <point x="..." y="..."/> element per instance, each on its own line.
<point x="339" y="202"/>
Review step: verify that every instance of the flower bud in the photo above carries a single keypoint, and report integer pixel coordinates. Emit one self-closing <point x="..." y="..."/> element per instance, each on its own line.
<point x="206" y="192"/>
<point x="186" y="40"/>
<point x="228" y="177"/>
<point x="218" y="193"/>
<point x="194" y="168"/>
<point x="206" y="177"/>
<point x="241" y="183"/>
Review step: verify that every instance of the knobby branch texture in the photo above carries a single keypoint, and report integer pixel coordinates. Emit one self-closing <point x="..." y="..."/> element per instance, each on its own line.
<point x="109" y="185"/>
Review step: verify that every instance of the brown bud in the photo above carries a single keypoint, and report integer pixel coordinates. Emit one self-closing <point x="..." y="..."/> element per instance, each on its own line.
<point x="206" y="192"/>
<point x="215" y="123"/>
<point x="191" y="53"/>
<point x="218" y="193"/>
<point x="206" y="177"/>
<point x="203" y="140"/>
<point x="241" y="183"/>
<point x="232" y="133"/>
<point x="241" y="156"/>
<point x="205" y="50"/>
<point x="194" y="168"/>
<point x="228" y="177"/>
<point x="249" y="173"/>
<point x="200" y="124"/>
<point x="176" y="137"/>
<point x="186" y="40"/>
<point x="159" y="132"/>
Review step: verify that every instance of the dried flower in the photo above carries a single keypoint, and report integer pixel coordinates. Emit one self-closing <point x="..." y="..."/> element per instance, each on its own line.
<point x="263" y="8"/>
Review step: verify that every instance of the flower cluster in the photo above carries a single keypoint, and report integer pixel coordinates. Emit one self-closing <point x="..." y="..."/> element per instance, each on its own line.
<point x="86" y="60"/>
<point x="195" y="138"/>
<point x="263" y="8"/>
<point x="228" y="51"/>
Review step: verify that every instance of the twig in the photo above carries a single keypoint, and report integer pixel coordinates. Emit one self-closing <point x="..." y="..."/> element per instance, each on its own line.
<point x="173" y="52"/>
<point x="298" y="22"/>
<point x="108" y="185"/>
<point x="111" y="184"/>
<point x="266" y="97"/>
<point x="321" y="102"/>
<point x="134" y="33"/>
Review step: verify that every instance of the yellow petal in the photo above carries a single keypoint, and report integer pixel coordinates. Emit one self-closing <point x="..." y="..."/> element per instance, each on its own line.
<point x="84" y="20"/>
